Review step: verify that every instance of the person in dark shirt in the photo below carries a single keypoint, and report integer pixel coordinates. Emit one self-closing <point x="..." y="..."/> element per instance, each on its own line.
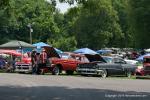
<point x="33" y="60"/>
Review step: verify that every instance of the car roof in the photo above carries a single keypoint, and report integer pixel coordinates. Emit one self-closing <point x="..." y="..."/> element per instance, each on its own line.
<point x="112" y="57"/>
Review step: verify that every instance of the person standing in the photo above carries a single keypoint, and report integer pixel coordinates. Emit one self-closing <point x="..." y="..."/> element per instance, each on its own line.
<point x="43" y="58"/>
<point x="43" y="61"/>
<point x="33" y="60"/>
<point x="37" y="63"/>
<point x="13" y="63"/>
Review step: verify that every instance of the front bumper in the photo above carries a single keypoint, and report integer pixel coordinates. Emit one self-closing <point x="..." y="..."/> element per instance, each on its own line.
<point x="88" y="71"/>
<point x="142" y="72"/>
<point x="23" y="68"/>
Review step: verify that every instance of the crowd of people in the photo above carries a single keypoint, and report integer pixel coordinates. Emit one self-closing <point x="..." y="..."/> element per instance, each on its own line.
<point x="38" y="61"/>
<point x="8" y="64"/>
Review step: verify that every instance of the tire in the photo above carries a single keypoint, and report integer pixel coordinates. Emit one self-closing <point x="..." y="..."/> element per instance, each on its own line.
<point x="69" y="72"/>
<point x="56" y="70"/>
<point x="103" y="73"/>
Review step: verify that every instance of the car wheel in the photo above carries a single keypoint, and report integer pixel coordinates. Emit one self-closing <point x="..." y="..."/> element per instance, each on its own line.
<point x="104" y="73"/>
<point x="56" y="71"/>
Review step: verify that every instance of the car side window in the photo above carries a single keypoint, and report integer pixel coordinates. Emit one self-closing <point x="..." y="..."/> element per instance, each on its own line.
<point x="120" y="61"/>
<point x="115" y="60"/>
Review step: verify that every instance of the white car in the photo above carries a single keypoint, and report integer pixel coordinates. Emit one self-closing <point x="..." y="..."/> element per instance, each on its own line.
<point x="132" y="62"/>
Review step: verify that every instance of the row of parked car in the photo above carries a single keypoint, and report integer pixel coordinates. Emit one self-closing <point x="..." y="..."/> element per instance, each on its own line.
<point x="86" y="64"/>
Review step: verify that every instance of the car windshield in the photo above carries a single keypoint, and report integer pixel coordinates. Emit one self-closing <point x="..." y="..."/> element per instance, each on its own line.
<point x="107" y="59"/>
<point x="65" y="56"/>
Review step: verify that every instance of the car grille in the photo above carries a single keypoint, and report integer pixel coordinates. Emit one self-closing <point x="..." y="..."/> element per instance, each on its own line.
<point x="23" y="66"/>
<point x="90" y="66"/>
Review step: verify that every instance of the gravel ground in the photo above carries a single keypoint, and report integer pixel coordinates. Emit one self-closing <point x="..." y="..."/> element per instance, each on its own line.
<point x="48" y="87"/>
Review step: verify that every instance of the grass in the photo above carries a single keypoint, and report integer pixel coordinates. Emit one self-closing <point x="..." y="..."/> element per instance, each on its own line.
<point x="109" y="77"/>
<point x="2" y="71"/>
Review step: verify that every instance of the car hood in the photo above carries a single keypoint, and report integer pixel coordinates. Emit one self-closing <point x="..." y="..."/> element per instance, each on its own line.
<point x="93" y="58"/>
<point x="51" y="52"/>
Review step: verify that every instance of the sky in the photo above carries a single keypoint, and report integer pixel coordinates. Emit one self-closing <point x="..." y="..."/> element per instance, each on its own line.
<point x="63" y="7"/>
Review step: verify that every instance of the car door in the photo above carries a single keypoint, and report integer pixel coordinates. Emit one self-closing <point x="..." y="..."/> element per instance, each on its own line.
<point x="116" y="67"/>
<point x="127" y="67"/>
<point x="72" y="62"/>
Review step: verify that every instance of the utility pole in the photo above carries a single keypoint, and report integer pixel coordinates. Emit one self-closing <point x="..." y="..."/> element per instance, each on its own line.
<point x="31" y="30"/>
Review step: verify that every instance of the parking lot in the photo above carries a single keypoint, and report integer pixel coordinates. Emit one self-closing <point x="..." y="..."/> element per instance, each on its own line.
<point x="48" y="87"/>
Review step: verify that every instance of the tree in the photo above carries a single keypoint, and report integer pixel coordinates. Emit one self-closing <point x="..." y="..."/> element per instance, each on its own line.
<point x="140" y="21"/>
<point x="65" y="40"/>
<point x="64" y="43"/>
<point x="4" y="3"/>
<point x="121" y="6"/>
<point x="38" y="13"/>
<point x="98" y="25"/>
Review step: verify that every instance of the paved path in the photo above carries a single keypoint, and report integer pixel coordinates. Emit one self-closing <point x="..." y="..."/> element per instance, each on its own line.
<point x="49" y="87"/>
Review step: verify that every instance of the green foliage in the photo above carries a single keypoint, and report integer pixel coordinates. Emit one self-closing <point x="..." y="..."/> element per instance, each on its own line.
<point x="38" y="13"/>
<point x="65" y="44"/>
<point x="140" y="22"/>
<point x="97" y="25"/>
<point x="92" y="23"/>
<point x="4" y="4"/>
<point x="121" y="6"/>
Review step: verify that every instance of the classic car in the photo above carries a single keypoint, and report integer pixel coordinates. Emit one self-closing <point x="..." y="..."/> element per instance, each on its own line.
<point x="56" y="63"/>
<point x="106" y="66"/>
<point x="144" y="69"/>
<point x="68" y="63"/>
<point x="25" y="65"/>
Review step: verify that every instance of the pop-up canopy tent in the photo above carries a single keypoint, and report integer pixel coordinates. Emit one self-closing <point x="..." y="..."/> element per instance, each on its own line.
<point x="104" y="51"/>
<point x="141" y="57"/>
<point x="39" y="46"/>
<point x="85" y="51"/>
<point x="15" y="44"/>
